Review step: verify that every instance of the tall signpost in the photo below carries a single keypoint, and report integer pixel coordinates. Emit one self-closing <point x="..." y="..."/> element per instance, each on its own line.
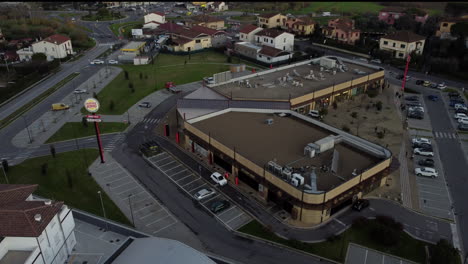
<point x="92" y="106"/>
<point x="406" y="72"/>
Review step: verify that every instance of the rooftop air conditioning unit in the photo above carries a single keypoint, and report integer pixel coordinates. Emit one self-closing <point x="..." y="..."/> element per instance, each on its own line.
<point x="278" y="169"/>
<point x="297" y="179"/>
<point x="37" y="217"/>
<point x="309" y="151"/>
<point x="287" y="173"/>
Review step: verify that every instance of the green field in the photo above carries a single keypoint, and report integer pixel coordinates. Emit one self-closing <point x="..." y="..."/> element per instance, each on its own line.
<point x="55" y="183"/>
<point x="407" y="247"/>
<point x="73" y="130"/>
<point x="339" y="7"/>
<point x="167" y="68"/>
<point x="127" y="26"/>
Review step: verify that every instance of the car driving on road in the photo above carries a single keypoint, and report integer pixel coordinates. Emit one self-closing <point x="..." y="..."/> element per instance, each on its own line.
<point x="218" y="178"/>
<point x="80" y="91"/>
<point x="360" y="204"/>
<point x="113" y="62"/>
<point x="145" y="104"/>
<point x="96" y="62"/>
<point x="426" y="172"/>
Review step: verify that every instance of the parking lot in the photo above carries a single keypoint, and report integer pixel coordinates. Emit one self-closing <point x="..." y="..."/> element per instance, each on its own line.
<point x="451" y="110"/>
<point x="232" y="217"/>
<point x="424" y="123"/>
<point x="433" y="192"/>
<point x="357" y="254"/>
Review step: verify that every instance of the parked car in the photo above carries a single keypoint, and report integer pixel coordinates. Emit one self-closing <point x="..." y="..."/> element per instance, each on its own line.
<point x="209" y="80"/>
<point x="460" y="115"/>
<point x="427" y="83"/>
<point x="314" y="113"/>
<point x="412" y="98"/>
<point x="433" y="98"/>
<point x="218" y="178"/>
<point x="113" y="62"/>
<point x="441" y="86"/>
<point x="145" y="104"/>
<point x="416" y="115"/>
<point x="413" y="103"/>
<point x="433" y="85"/>
<point x="399" y="77"/>
<point x="453" y="94"/>
<point x="80" y="91"/>
<point x="423" y="146"/>
<point x="419" y="82"/>
<point x="460" y="106"/>
<point x="360" y="204"/>
<point x="423" y="152"/>
<point x="96" y="62"/>
<point x="376" y="61"/>
<point x="463" y="120"/>
<point x="463" y="127"/>
<point x="219" y="206"/>
<point x="460" y="110"/>
<point x="426" y="162"/>
<point x="416" y="109"/>
<point x="426" y="172"/>
<point x="204" y="193"/>
<point x="419" y="140"/>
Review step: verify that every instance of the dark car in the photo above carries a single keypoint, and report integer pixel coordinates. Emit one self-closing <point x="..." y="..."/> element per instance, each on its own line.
<point x="219" y="206"/>
<point x="426" y="162"/>
<point x="454" y="102"/>
<point x="453" y="94"/>
<point x="461" y="111"/>
<point x="422" y="145"/>
<point x="412" y="98"/>
<point x="145" y="104"/>
<point x="360" y="204"/>
<point x="416" y="115"/>
<point x="400" y="77"/>
<point x="433" y="85"/>
<point x="433" y="98"/>
<point x="419" y="82"/>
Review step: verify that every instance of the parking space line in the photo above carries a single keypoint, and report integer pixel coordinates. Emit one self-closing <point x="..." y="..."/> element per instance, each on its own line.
<point x="427" y="199"/>
<point x="160" y="154"/>
<point x="163" y="228"/>
<point x="242" y="213"/>
<point x="166" y="164"/>
<point x="137" y="201"/>
<point x="177" y="173"/>
<point x="434" y="193"/>
<point x="115" y="187"/>
<point x="125" y="176"/>
<point x="151" y="213"/>
<point x="197" y="187"/>
<point x="182" y="179"/>
<point x="189" y="183"/>
<point x="435" y="208"/>
<point x="222" y="213"/>
<point x="139" y="193"/>
<point x="173" y="168"/>
<point x="144" y="207"/>
<point x="168" y="157"/>
<point x="154" y="222"/>
<point x="136" y="187"/>
<point x="206" y="201"/>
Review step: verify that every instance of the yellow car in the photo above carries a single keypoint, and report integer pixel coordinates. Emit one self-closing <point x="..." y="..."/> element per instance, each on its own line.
<point x="427" y="83"/>
<point x="59" y="106"/>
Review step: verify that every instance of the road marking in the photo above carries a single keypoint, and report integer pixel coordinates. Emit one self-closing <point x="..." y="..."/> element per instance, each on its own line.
<point x="189" y="183"/>
<point x="177" y="173"/>
<point x="163" y="228"/>
<point x="115" y="187"/>
<point x="242" y="213"/>
<point x="434" y="193"/>
<point x="336" y="219"/>
<point x="151" y="213"/>
<point x="197" y="187"/>
<point x="206" y="201"/>
<point x="166" y="164"/>
<point x="154" y="222"/>
<point x="181" y="179"/>
<point x="136" y="187"/>
<point x="179" y="165"/>
<point x="222" y="213"/>
<point x="435" y="208"/>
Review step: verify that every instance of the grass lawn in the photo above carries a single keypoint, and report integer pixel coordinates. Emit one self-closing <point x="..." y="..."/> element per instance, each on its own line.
<point x="352" y="7"/>
<point x="73" y="130"/>
<point x="127" y="26"/>
<point x="65" y="15"/>
<point x="95" y="17"/>
<point x="167" y="67"/>
<point x="244" y="18"/>
<point x="55" y="184"/>
<point x="408" y="247"/>
<point x="324" y="20"/>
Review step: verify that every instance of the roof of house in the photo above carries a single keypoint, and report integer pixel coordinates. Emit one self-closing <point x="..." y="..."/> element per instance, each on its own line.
<point x="304" y="21"/>
<point x="181" y="40"/>
<point x="17" y="216"/>
<point x="153" y="22"/>
<point x="188" y="33"/>
<point x="248" y="28"/>
<point x="270" y="32"/>
<point x="170" y="26"/>
<point x="158" y="13"/>
<point x="206" y="19"/>
<point x="57" y="39"/>
<point x="270" y="51"/>
<point x="269" y="15"/>
<point x="345" y="24"/>
<point x="205" y="30"/>
<point x="405" y="36"/>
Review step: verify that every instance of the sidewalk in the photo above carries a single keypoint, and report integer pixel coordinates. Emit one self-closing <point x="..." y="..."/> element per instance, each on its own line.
<point x="51" y="121"/>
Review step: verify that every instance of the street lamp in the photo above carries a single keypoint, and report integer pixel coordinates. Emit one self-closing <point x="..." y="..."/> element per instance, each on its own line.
<point x="103" y="210"/>
<point x="131" y="210"/>
<point x="27" y="128"/>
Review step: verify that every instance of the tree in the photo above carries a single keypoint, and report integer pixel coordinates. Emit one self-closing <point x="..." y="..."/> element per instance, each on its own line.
<point x="103" y="12"/>
<point x="430" y="26"/>
<point x="69" y="179"/>
<point x="84" y="121"/>
<point x="405" y="22"/>
<point x="460" y="29"/>
<point x="130" y="85"/>
<point x="52" y="151"/>
<point x="5" y="165"/>
<point x="126" y="75"/>
<point x="443" y="252"/>
<point x="39" y="57"/>
<point x="95" y="95"/>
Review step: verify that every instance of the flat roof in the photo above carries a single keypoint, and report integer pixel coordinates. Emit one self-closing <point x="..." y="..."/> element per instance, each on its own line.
<point x="133" y="46"/>
<point x="284" y="142"/>
<point x="15" y="257"/>
<point x="268" y="86"/>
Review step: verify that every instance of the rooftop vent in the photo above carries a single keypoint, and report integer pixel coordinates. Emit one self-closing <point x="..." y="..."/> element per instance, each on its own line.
<point x="37" y="217"/>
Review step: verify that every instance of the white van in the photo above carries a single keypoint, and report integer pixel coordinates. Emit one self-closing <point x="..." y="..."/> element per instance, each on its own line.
<point x="314" y="113"/>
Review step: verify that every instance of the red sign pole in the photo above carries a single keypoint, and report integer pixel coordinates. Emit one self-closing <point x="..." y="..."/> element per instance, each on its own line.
<point x="98" y="136"/>
<point x="406" y="72"/>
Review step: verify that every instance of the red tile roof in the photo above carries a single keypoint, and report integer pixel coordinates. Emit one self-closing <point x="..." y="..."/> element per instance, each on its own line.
<point x="304" y="21"/>
<point x="57" y="39"/>
<point x="270" y="51"/>
<point x="181" y="40"/>
<point x="158" y="13"/>
<point x="405" y="36"/>
<point x="269" y="15"/>
<point x="206" y="19"/>
<point x="153" y="22"/>
<point x="170" y="26"/>
<point x="208" y="31"/>
<point x="270" y="32"/>
<point x="17" y="216"/>
<point x="247" y="29"/>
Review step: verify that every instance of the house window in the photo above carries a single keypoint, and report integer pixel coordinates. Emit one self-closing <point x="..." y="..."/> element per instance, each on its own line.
<point x="242" y="35"/>
<point x="271" y="41"/>
<point x="342" y="35"/>
<point x="265" y="39"/>
<point x="284" y="40"/>
<point x="445" y="24"/>
<point x="402" y="46"/>
<point x="268" y="58"/>
<point x="277" y="20"/>
<point x="385" y="42"/>
<point x="260" y="56"/>
<point x="394" y="44"/>
<point x="400" y="54"/>
<point x="284" y="47"/>
<point x="197" y="41"/>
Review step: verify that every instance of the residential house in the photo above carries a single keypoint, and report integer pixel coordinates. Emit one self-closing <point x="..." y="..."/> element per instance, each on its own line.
<point x="25" y="54"/>
<point x="151" y="25"/>
<point x="55" y="46"/>
<point x="275" y="38"/>
<point x="402" y="43"/>
<point x="272" y="55"/>
<point x="206" y="21"/>
<point x="185" y="40"/>
<point x="247" y="49"/>
<point x="272" y="20"/>
<point x="217" y="6"/>
<point x="342" y="29"/>
<point x="301" y="26"/>
<point x="158" y="17"/>
<point x="247" y="33"/>
<point x="390" y="14"/>
<point x="445" y="26"/>
<point x="33" y="230"/>
<point x="218" y="37"/>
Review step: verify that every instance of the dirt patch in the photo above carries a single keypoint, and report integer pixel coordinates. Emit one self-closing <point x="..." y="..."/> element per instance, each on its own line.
<point x="360" y="115"/>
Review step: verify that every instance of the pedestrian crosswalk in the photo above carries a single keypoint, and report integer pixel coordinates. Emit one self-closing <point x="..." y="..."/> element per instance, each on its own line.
<point x="151" y="120"/>
<point x="446" y="135"/>
<point x="114" y="142"/>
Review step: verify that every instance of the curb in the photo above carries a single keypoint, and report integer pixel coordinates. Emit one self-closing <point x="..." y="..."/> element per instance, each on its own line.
<point x="62" y="141"/>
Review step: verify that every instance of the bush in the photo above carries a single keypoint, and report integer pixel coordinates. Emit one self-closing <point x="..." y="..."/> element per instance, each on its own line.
<point x="333" y="238"/>
<point x="38" y="57"/>
<point x="354" y="114"/>
<point x="229" y="59"/>
<point x="345" y="128"/>
<point x="378" y="105"/>
<point x="95" y="95"/>
<point x="44" y="168"/>
<point x="84" y="121"/>
<point x="323" y="111"/>
<point x="5" y="165"/>
<point x="130" y="85"/>
<point x="389" y="221"/>
<point x="372" y="93"/>
<point x="443" y="252"/>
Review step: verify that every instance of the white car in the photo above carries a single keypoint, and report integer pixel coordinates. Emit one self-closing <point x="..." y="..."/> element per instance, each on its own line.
<point x="113" y="62"/>
<point x="376" y="61"/>
<point x="363" y="60"/>
<point x="204" y="193"/>
<point x="80" y="91"/>
<point x="209" y="80"/>
<point x="460" y="106"/>
<point x="423" y="152"/>
<point x="421" y="141"/>
<point x="427" y="172"/>
<point x="218" y="178"/>
<point x="463" y="120"/>
<point x="460" y="115"/>
<point x="314" y="113"/>
<point x="416" y="108"/>
<point x="441" y="86"/>
<point x="96" y="62"/>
